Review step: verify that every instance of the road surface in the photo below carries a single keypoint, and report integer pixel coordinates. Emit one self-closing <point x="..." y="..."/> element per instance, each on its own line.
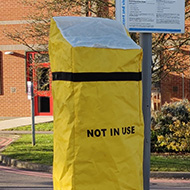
<point x="15" y="179"/>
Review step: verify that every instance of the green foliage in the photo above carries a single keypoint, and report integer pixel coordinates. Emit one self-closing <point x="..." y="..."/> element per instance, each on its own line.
<point x="38" y="127"/>
<point x="169" y="162"/>
<point x="41" y="153"/>
<point x="171" y="128"/>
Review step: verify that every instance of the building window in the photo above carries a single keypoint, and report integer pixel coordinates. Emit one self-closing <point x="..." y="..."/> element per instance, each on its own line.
<point x="175" y="89"/>
<point x="38" y="70"/>
<point x="1" y="73"/>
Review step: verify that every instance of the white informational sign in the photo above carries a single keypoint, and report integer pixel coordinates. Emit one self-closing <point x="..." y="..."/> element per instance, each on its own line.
<point x="152" y="16"/>
<point x="29" y="90"/>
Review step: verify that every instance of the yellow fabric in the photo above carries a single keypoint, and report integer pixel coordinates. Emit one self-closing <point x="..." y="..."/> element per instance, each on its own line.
<point x="92" y="147"/>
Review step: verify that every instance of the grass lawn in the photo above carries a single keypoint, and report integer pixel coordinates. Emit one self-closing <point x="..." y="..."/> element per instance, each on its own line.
<point x="38" y="127"/>
<point x="174" y="162"/>
<point x="42" y="152"/>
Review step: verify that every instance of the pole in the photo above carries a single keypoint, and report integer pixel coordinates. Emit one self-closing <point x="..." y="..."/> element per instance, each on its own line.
<point x="118" y="10"/>
<point x="32" y="109"/>
<point x="146" y="44"/>
<point x="183" y="90"/>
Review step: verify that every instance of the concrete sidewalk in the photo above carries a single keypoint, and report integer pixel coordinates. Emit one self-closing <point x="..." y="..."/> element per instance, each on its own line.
<point x="23" y="121"/>
<point x="7" y="137"/>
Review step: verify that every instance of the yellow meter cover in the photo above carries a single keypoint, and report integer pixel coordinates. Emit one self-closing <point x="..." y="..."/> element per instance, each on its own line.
<point x="98" y="121"/>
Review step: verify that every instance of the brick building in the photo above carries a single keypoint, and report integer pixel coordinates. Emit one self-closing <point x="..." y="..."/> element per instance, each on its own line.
<point x="15" y="59"/>
<point x="13" y="98"/>
<point x="173" y="87"/>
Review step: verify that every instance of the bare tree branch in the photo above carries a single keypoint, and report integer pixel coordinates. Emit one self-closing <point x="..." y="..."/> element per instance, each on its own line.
<point x="169" y="50"/>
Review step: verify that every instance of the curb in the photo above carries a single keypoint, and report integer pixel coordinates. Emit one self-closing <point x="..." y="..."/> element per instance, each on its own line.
<point x="24" y="165"/>
<point x="48" y="169"/>
<point x="24" y="132"/>
<point x="170" y="175"/>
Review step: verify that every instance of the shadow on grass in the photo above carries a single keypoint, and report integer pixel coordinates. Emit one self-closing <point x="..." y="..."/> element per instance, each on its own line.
<point x="170" y="163"/>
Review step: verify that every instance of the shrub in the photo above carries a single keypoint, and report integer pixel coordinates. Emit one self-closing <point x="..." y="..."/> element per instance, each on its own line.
<point x="171" y="128"/>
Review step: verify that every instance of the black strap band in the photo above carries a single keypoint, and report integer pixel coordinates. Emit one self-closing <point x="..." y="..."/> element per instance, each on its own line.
<point x="90" y="77"/>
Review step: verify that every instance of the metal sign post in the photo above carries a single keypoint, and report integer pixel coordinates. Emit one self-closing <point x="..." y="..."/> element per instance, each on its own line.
<point x="146" y="44"/>
<point x="146" y="17"/>
<point x="33" y="121"/>
<point x="31" y="97"/>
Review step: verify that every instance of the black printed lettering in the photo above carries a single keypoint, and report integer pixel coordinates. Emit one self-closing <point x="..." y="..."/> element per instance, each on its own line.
<point x="111" y="132"/>
<point x="128" y="130"/>
<point x="133" y="130"/>
<point x="116" y="131"/>
<point x="97" y="132"/>
<point x="104" y="132"/>
<point x="90" y="133"/>
<point x="124" y="130"/>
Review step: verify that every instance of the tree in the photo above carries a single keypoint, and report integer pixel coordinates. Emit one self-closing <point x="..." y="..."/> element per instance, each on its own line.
<point x="35" y="34"/>
<point x="171" y="128"/>
<point x="170" y="51"/>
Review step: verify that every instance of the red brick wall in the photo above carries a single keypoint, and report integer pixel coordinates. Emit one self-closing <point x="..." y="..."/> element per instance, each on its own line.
<point x="13" y="97"/>
<point x="172" y="88"/>
<point x="1" y="73"/>
<point x="13" y="10"/>
<point x="13" y="101"/>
